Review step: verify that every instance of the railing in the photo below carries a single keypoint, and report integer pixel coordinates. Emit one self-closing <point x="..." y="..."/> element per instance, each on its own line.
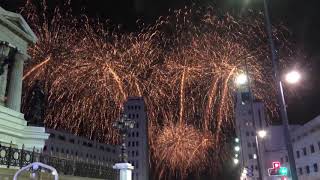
<point x="11" y="157"/>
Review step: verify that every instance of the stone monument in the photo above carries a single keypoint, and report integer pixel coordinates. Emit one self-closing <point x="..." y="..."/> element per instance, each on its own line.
<point x="15" y="37"/>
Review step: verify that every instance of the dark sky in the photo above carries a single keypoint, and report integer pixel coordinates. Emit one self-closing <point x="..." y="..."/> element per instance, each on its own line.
<point x="301" y="17"/>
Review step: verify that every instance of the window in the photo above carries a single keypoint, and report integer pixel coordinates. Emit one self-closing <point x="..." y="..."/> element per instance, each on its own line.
<point x="249" y="144"/>
<point x="72" y="141"/>
<point x="254" y="144"/>
<point x="133" y="144"/>
<point x="298" y="154"/>
<point x="129" y="143"/>
<point x="312" y="148"/>
<point x="137" y="164"/>
<point x="53" y="136"/>
<point x="44" y="148"/>
<point x="51" y="148"/>
<point x="250" y="156"/>
<point x="315" y="167"/>
<point x="137" y="143"/>
<point x="132" y="153"/>
<point x="137" y="134"/>
<point x="137" y="153"/>
<point x="300" y="171"/>
<point x="281" y="160"/>
<point x="101" y="148"/>
<point x="137" y="125"/>
<point x="247" y="133"/>
<point x="62" y="138"/>
<point x="137" y="115"/>
<point x="252" y="133"/>
<point x="307" y="169"/>
<point x="286" y="158"/>
<point x="304" y="151"/>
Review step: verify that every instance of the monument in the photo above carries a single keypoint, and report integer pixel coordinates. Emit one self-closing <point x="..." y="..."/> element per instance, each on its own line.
<point x="15" y="37"/>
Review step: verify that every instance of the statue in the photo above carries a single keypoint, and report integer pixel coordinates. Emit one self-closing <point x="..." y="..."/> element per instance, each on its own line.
<point x="36" y="105"/>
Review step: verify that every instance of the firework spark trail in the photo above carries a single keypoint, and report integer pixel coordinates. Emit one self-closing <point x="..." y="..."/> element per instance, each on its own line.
<point x="183" y="66"/>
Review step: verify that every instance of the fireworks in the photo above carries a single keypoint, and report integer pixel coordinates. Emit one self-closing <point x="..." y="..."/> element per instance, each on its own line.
<point x="183" y="66"/>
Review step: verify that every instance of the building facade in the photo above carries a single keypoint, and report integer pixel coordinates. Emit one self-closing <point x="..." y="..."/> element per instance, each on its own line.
<point x="137" y="139"/>
<point x="66" y="145"/>
<point x="306" y="147"/>
<point x="15" y="37"/>
<point x="249" y="117"/>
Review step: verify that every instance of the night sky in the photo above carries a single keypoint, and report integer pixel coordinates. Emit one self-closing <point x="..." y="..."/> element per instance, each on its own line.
<point x="301" y="18"/>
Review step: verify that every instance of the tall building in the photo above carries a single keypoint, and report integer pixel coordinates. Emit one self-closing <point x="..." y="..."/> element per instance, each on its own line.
<point x="137" y="140"/>
<point x="249" y="117"/>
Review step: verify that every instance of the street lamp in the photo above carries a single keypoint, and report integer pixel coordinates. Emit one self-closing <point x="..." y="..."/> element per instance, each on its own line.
<point x="123" y="124"/>
<point x="241" y="79"/>
<point x="284" y="115"/>
<point x="262" y="133"/>
<point x="293" y="77"/>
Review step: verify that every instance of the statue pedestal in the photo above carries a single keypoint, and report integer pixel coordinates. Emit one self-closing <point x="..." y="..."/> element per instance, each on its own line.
<point x="125" y="170"/>
<point x="14" y="130"/>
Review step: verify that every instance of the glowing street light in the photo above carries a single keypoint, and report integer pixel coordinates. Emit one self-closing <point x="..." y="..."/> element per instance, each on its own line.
<point x="235" y="161"/>
<point x="237" y="148"/>
<point x="262" y="133"/>
<point x="293" y="77"/>
<point x="241" y="79"/>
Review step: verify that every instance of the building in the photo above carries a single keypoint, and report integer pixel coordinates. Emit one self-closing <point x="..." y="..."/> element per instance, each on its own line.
<point x="66" y="145"/>
<point x="137" y="140"/>
<point x="15" y="37"/>
<point x="306" y="148"/>
<point x="249" y="117"/>
<point x="305" y="139"/>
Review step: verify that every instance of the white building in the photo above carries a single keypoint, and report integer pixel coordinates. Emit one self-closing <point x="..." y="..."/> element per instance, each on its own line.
<point x="272" y="148"/>
<point x="15" y="37"/>
<point x="249" y="117"/>
<point x="137" y="140"/>
<point x="66" y="145"/>
<point x="306" y="148"/>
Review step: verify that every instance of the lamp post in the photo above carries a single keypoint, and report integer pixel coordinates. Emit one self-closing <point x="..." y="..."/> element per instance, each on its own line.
<point x="260" y="134"/>
<point x="284" y="115"/>
<point x="123" y="124"/>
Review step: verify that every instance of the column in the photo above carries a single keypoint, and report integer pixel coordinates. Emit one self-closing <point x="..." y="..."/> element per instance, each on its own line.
<point x="4" y="52"/>
<point x="15" y="83"/>
<point x="125" y="170"/>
